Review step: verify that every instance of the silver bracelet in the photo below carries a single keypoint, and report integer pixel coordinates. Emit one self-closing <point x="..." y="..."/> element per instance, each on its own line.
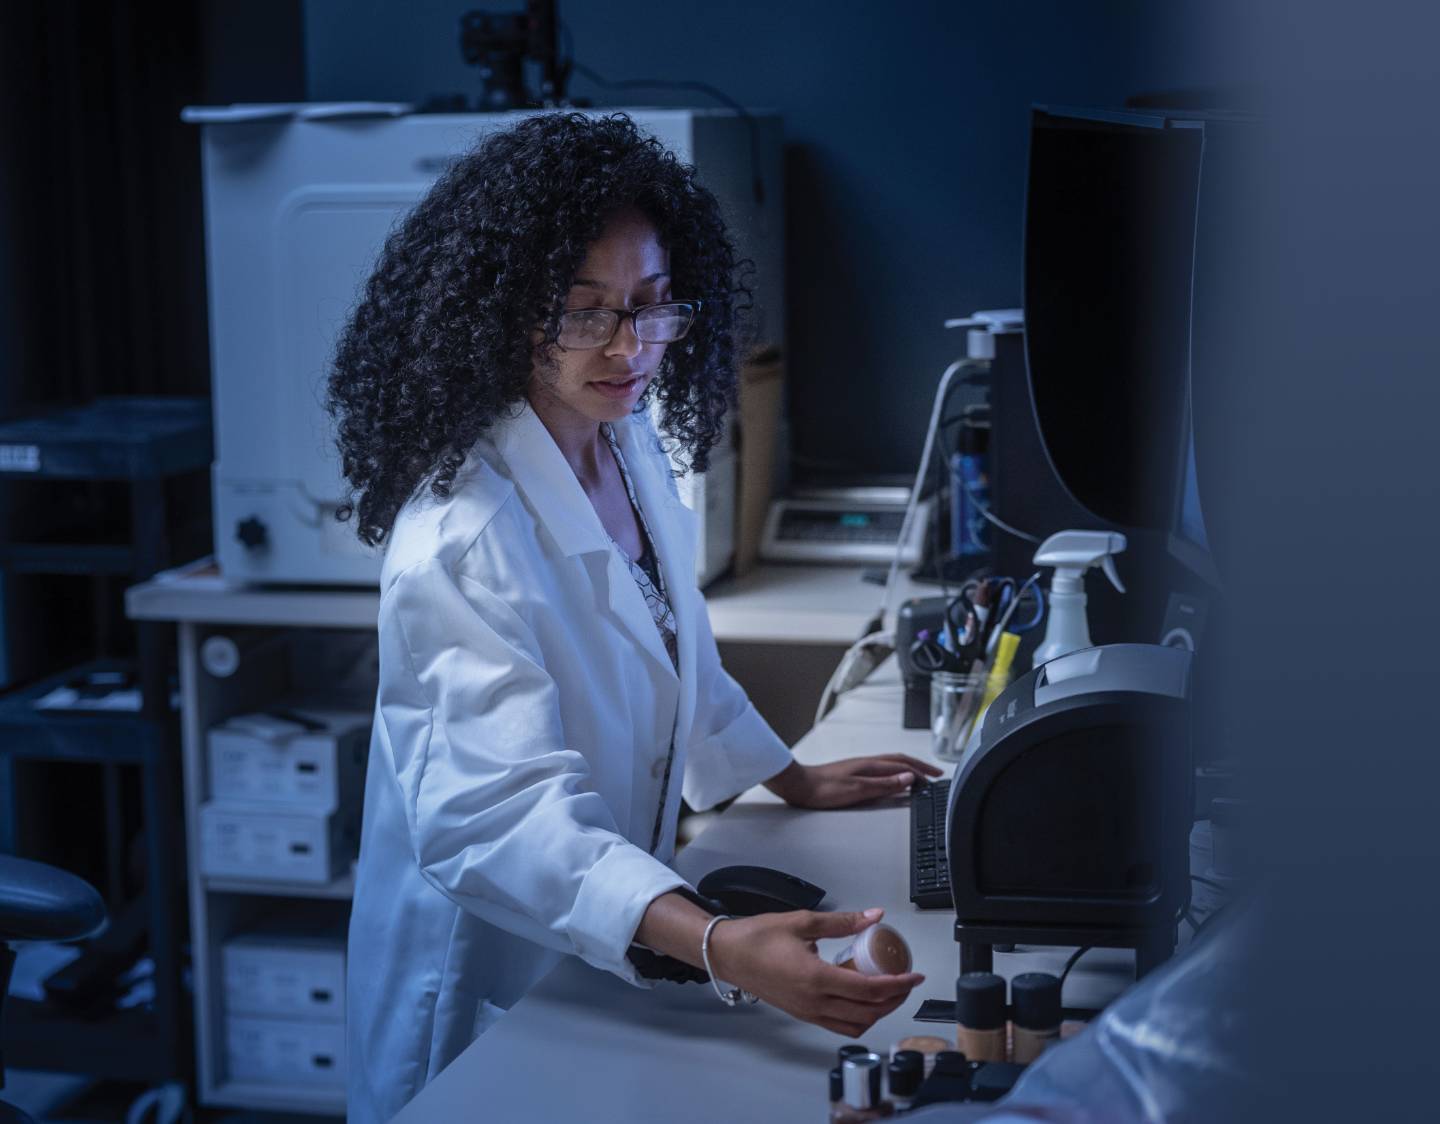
<point x="731" y="997"/>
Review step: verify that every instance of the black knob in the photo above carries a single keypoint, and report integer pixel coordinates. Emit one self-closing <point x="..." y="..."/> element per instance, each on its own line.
<point x="252" y="533"/>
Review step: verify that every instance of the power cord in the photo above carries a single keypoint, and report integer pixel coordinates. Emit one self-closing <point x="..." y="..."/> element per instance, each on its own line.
<point x="1074" y="959"/>
<point x="878" y="642"/>
<point x="757" y="184"/>
<point x="980" y="505"/>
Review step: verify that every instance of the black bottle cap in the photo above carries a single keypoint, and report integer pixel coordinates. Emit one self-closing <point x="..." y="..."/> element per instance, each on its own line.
<point x="980" y="1000"/>
<point x="994" y="1079"/>
<point x="1036" y="996"/>
<point x="837" y="1086"/>
<point x="907" y="1070"/>
<point x="951" y="1062"/>
<point x="852" y="1051"/>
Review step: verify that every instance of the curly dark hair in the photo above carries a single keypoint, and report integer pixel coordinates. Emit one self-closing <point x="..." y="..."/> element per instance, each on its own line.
<point x="440" y="344"/>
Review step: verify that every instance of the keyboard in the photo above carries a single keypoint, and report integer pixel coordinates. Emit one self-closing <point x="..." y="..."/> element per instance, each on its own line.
<point x="929" y="864"/>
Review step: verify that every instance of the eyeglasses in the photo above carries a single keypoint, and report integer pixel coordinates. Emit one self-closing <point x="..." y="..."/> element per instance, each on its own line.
<point x="583" y="328"/>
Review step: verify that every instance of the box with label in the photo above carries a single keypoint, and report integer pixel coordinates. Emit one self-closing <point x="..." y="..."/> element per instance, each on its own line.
<point x="262" y="841"/>
<point x="284" y="1050"/>
<point x="297" y="755"/>
<point x="286" y="970"/>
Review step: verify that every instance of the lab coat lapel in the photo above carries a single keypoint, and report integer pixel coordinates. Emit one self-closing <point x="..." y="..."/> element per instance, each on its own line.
<point x="672" y="526"/>
<point x="548" y="484"/>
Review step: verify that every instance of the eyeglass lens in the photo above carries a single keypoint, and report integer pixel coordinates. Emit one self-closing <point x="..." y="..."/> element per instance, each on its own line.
<point x="595" y="327"/>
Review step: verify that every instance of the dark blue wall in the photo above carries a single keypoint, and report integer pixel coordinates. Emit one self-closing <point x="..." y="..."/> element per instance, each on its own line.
<point x="906" y="128"/>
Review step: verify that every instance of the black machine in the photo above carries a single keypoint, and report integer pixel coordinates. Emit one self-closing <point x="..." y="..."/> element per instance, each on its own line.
<point x="500" y="43"/>
<point x="1068" y="823"/>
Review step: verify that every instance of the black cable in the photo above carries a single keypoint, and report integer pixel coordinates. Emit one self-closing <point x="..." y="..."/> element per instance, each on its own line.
<point x="1209" y="882"/>
<point x="1210" y="920"/>
<point x="758" y="184"/>
<point x="980" y="505"/>
<point x="1074" y="958"/>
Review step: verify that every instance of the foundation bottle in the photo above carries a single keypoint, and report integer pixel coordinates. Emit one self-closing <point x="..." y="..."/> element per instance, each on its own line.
<point x="860" y="1087"/>
<point x="980" y="1015"/>
<point x="1035" y="999"/>
<point x="926" y="1045"/>
<point x="877" y="951"/>
<point x="906" y="1072"/>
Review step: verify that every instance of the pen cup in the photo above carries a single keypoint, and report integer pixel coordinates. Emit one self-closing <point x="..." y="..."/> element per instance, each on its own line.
<point x="955" y="699"/>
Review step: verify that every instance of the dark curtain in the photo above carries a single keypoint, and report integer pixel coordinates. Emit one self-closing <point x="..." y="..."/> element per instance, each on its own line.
<point x="101" y="245"/>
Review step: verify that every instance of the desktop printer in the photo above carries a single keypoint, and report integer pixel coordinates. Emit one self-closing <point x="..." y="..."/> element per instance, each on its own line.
<point x="1068" y="822"/>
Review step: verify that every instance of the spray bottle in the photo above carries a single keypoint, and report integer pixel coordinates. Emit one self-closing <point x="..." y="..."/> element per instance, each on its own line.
<point x="1072" y="553"/>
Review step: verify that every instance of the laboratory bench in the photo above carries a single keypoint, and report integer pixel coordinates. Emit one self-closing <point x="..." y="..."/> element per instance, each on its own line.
<point x="781" y="630"/>
<point x="676" y="1050"/>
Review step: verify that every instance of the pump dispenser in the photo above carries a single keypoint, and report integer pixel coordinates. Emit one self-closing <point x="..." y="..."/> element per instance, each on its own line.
<point x="1071" y="553"/>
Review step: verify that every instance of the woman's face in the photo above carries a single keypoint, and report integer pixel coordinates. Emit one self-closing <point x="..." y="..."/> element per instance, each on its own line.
<point x="624" y="268"/>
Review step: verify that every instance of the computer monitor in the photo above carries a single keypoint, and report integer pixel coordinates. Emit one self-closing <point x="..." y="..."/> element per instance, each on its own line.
<point x="1110" y="231"/>
<point x="1189" y="540"/>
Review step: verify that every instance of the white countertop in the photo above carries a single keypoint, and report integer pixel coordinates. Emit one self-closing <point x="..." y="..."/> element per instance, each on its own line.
<point x="585" y="1046"/>
<point x="770" y="605"/>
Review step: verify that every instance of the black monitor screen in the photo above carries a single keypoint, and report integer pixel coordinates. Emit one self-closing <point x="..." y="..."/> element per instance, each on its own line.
<point x="1190" y="520"/>
<point x="1109" y="247"/>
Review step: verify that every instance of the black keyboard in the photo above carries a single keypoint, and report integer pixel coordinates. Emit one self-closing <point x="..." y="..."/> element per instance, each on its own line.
<point x="929" y="864"/>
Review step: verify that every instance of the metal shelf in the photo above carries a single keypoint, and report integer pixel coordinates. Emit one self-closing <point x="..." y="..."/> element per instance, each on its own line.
<point x="120" y="736"/>
<point x="117" y="438"/>
<point x="277" y="1097"/>
<point x="339" y="889"/>
<point x="67" y="558"/>
<point x="116" y="1045"/>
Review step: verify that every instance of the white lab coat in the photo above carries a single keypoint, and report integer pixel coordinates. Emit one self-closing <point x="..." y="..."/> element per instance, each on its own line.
<point x="525" y="710"/>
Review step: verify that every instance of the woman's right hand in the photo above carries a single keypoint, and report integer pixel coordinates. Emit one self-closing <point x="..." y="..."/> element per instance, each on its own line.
<point x="774" y="956"/>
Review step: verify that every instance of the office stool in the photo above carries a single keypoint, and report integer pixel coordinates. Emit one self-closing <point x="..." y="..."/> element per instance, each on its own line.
<point x="39" y="903"/>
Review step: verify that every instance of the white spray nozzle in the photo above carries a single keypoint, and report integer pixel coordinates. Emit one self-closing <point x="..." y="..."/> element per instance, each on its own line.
<point x="1077" y="551"/>
<point x="1108" y="565"/>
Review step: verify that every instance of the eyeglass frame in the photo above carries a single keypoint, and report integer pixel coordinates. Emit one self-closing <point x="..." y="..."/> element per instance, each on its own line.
<point x="621" y="314"/>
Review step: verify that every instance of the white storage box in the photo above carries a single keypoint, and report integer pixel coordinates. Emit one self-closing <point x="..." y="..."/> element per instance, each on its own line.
<point x="284" y="1050"/>
<point x="262" y="842"/>
<point x="298" y="755"/>
<point x="285" y="975"/>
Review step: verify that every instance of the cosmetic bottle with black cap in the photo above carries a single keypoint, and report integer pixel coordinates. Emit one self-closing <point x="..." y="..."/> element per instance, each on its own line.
<point x="860" y="1078"/>
<point x="1035" y="1000"/>
<point x="907" y="1071"/>
<point x="980" y="1015"/>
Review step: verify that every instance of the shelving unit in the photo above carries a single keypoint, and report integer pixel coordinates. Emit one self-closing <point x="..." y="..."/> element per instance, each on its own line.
<point x="142" y="443"/>
<point x="797" y="607"/>
<point x="296" y="628"/>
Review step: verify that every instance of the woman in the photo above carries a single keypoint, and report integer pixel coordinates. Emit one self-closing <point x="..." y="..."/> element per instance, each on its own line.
<point x="548" y="680"/>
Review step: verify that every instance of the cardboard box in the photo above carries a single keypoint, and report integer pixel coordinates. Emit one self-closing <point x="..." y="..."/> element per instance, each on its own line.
<point x="284" y="1051"/>
<point x="263" y="842"/>
<point x="275" y="973"/>
<point x="296" y="755"/>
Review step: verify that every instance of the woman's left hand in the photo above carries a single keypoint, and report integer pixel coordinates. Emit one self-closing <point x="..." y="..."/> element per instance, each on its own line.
<point x="856" y="780"/>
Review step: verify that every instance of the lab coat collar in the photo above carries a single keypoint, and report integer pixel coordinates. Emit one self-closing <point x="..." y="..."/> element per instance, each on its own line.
<point x="549" y="485"/>
<point x="541" y="471"/>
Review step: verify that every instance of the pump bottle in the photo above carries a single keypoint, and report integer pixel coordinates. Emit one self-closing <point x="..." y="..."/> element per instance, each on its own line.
<point x="1071" y="553"/>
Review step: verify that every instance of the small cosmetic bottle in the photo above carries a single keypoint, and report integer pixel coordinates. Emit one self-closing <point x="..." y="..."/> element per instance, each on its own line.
<point x="860" y="1081"/>
<point x="837" y="1092"/>
<point x="1035" y="997"/>
<point x="907" y="1071"/>
<point x="980" y="1013"/>
<point x="926" y="1045"/>
<point x="877" y="951"/>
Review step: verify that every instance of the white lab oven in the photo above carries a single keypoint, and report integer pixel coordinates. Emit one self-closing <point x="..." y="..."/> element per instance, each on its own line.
<point x="298" y="200"/>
